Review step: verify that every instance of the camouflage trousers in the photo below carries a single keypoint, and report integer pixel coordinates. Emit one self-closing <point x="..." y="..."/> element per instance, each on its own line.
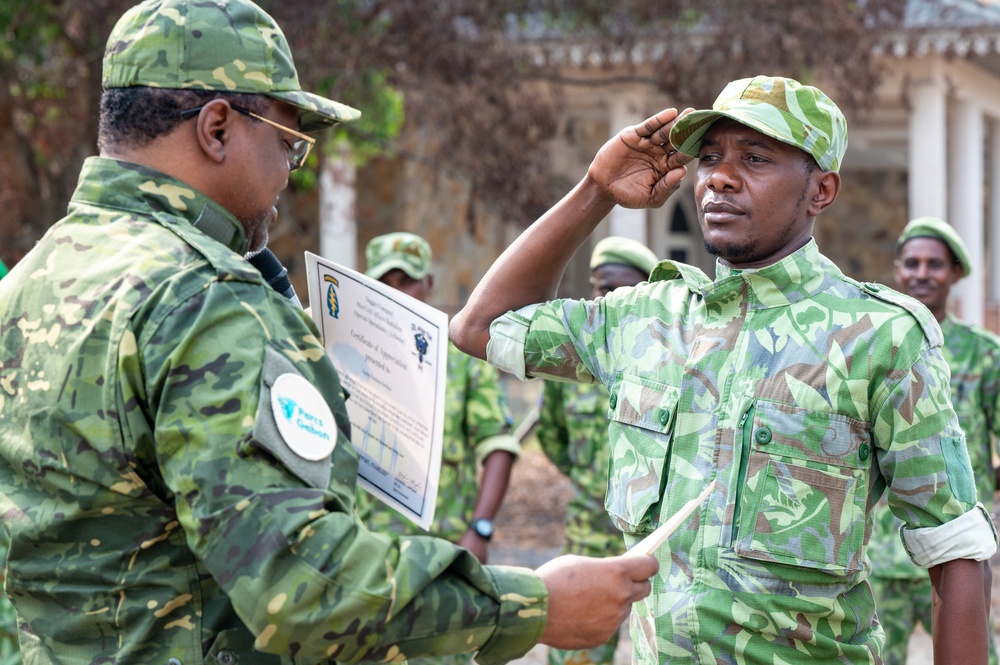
<point x="601" y="655"/>
<point x="901" y="605"/>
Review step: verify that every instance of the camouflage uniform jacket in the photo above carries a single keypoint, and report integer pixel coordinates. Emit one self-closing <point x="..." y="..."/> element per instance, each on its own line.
<point x="973" y="354"/>
<point x="802" y="394"/>
<point x="477" y="422"/>
<point x="573" y="432"/>
<point x="156" y="511"/>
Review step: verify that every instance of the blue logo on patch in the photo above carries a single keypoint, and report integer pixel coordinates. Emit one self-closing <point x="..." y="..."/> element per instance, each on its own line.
<point x="287" y="407"/>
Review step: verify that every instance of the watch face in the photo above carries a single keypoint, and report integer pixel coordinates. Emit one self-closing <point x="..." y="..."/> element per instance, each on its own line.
<point x="483" y="527"/>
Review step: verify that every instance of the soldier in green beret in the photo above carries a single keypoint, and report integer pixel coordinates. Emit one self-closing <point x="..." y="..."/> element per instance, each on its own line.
<point x="176" y="473"/>
<point x="930" y="259"/>
<point x="572" y="431"/>
<point x="795" y="395"/>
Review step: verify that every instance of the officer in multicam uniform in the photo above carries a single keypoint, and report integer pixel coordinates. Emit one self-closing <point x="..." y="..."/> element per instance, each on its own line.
<point x="477" y="420"/>
<point x="799" y="392"/>
<point x="930" y="259"/>
<point x="176" y="476"/>
<point x="572" y="431"/>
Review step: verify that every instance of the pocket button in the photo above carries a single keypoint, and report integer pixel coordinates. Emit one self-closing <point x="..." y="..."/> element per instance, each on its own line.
<point x="664" y="416"/>
<point x="864" y="451"/>
<point x="762" y="435"/>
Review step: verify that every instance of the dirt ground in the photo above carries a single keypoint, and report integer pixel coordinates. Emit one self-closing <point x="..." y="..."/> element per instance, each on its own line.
<point x="530" y="531"/>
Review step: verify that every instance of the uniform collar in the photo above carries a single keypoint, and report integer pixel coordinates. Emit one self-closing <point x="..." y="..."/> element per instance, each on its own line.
<point x="798" y="276"/>
<point x="110" y="183"/>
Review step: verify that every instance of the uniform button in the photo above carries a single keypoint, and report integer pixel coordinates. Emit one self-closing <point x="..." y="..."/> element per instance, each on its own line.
<point x="664" y="416"/>
<point x="226" y="657"/>
<point x="864" y="451"/>
<point x="614" y="400"/>
<point x="874" y="288"/>
<point x="762" y="435"/>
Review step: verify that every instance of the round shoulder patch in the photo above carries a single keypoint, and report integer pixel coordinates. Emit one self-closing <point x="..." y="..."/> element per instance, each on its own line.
<point x="304" y="419"/>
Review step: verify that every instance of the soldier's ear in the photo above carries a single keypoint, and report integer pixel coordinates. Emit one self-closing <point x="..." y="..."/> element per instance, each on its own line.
<point x="214" y="129"/>
<point x="826" y="187"/>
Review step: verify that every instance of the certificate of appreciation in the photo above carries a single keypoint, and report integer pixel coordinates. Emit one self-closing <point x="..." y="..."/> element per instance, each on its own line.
<point x="391" y="352"/>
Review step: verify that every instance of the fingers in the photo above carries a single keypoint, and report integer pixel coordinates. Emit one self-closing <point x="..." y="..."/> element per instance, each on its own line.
<point x="657" y="129"/>
<point x="640" y="567"/>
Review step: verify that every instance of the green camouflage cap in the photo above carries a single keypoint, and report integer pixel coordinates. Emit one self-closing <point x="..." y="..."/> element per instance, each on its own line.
<point x="623" y="251"/>
<point x="800" y="115"/>
<point x="406" y="251"/>
<point x="225" y="45"/>
<point x="933" y="227"/>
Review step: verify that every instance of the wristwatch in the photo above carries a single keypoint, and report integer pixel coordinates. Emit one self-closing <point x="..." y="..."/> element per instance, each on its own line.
<point x="483" y="527"/>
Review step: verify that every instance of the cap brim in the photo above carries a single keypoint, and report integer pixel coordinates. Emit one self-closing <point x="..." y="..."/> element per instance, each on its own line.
<point x="316" y="112"/>
<point x="687" y="133"/>
<point x="391" y="264"/>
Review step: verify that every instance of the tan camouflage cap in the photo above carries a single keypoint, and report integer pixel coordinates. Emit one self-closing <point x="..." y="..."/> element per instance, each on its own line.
<point x="406" y="251"/>
<point x="933" y="227"/>
<point x="225" y="45"/>
<point x="784" y="109"/>
<point x="623" y="251"/>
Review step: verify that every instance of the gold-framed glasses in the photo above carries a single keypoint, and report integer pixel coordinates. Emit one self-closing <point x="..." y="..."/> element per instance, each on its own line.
<point x="298" y="150"/>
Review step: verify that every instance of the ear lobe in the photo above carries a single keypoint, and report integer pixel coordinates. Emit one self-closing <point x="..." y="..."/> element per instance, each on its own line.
<point x="827" y="187"/>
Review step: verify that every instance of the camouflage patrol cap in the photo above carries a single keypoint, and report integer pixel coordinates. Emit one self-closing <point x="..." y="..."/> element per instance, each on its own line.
<point x="225" y="45"/>
<point x="784" y="109"/>
<point x="623" y="251"/>
<point x="406" y="251"/>
<point x="933" y="227"/>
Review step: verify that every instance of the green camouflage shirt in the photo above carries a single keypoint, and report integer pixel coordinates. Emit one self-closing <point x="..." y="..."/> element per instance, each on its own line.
<point x="573" y="432"/>
<point x="973" y="354"/>
<point x="157" y="511"/>
<point x="477" y="422"/>
<point x="803" y="394"/>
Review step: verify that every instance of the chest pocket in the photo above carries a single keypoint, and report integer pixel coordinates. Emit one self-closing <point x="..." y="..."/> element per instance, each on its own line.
<point x="805" y="492"/>
<point x="642" y="414"/>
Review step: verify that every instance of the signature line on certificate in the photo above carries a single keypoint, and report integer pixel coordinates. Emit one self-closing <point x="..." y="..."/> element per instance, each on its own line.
<point x="649" y="544"/>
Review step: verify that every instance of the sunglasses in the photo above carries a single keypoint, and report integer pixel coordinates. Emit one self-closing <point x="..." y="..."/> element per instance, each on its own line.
<point x="298" y="151"/>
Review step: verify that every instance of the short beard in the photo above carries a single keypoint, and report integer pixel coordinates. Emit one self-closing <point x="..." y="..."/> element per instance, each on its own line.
<point x="734" y="252"/>
<point x="252" y="226"/>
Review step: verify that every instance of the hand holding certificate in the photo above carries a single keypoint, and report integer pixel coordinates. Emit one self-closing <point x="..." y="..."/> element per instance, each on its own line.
<point x="650" y="543"/>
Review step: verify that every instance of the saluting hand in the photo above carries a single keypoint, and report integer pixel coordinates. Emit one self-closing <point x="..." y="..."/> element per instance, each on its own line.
<point x="639" y="168"/>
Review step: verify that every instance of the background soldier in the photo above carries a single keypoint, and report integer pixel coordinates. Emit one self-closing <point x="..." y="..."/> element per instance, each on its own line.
<point x="930" y="259"/>
<point x="572" y="431"/>
<point x="477" y="425"/>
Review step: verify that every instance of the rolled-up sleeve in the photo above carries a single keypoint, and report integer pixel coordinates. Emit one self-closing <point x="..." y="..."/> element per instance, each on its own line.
<point x="505" y="349"/>
<point x="971" y="536"/>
